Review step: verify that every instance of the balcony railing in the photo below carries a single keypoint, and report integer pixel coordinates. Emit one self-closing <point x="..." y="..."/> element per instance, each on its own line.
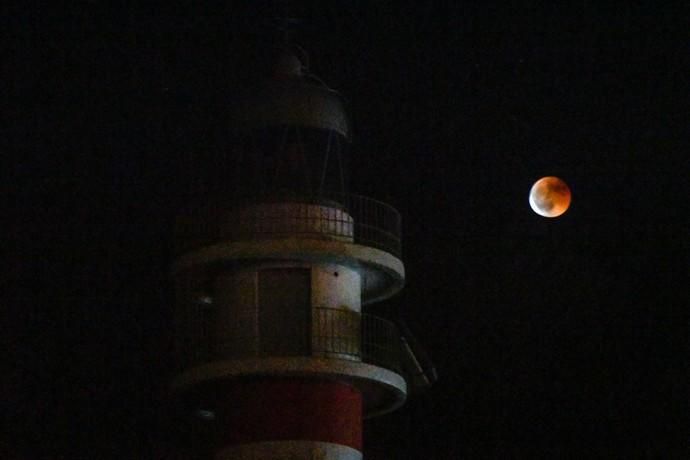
<point x="352" y="218"/>
<point x="332" y="334"/>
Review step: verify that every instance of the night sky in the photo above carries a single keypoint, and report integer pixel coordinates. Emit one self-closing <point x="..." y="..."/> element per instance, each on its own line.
<point x="552" y="337"/>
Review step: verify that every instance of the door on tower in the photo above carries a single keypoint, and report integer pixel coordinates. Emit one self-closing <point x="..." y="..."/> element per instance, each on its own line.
<point x="284" y="303"/>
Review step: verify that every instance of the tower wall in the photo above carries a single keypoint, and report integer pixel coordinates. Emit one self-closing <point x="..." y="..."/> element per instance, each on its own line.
<point x="274" y="350"/>
<point x="285" y="416"/>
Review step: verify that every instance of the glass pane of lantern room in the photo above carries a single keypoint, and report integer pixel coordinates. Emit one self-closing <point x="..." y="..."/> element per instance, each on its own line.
<point x="285" y="311"/>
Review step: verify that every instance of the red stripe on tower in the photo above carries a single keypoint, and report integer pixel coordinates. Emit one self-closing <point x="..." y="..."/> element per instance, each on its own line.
<point x="293" y="409"/>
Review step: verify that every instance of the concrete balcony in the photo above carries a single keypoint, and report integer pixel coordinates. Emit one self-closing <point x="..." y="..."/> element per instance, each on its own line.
<point x="349" y="218"/>
<point x="334" y="334"/>
<point x="361" y="349"/>
<point x="351" y="231"/>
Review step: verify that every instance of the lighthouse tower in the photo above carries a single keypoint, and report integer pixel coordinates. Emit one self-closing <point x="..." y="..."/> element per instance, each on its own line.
<point x="274" y="269"/>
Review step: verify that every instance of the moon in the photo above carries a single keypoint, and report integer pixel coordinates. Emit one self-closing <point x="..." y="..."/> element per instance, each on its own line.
<point x="549" y="196"/>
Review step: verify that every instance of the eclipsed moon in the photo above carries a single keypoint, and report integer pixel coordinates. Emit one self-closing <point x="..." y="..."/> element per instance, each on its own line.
<point x="549" y="197"/>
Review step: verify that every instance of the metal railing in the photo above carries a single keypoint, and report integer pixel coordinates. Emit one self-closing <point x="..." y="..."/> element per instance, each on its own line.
<point x="354" y="218"/>
<point x="381" y="343"/>
<point x="332" y="334"/>
<point x="336" y="333"/>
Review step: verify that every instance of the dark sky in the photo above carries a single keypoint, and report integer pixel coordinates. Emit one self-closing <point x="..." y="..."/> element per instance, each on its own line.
<point x="562" y="337"/>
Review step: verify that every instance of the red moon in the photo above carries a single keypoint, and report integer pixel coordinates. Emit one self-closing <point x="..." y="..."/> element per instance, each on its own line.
<point x="549" y="197"/>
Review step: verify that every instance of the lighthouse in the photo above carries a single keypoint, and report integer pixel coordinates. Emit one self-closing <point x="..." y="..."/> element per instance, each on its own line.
<point x="275" y="267"/>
